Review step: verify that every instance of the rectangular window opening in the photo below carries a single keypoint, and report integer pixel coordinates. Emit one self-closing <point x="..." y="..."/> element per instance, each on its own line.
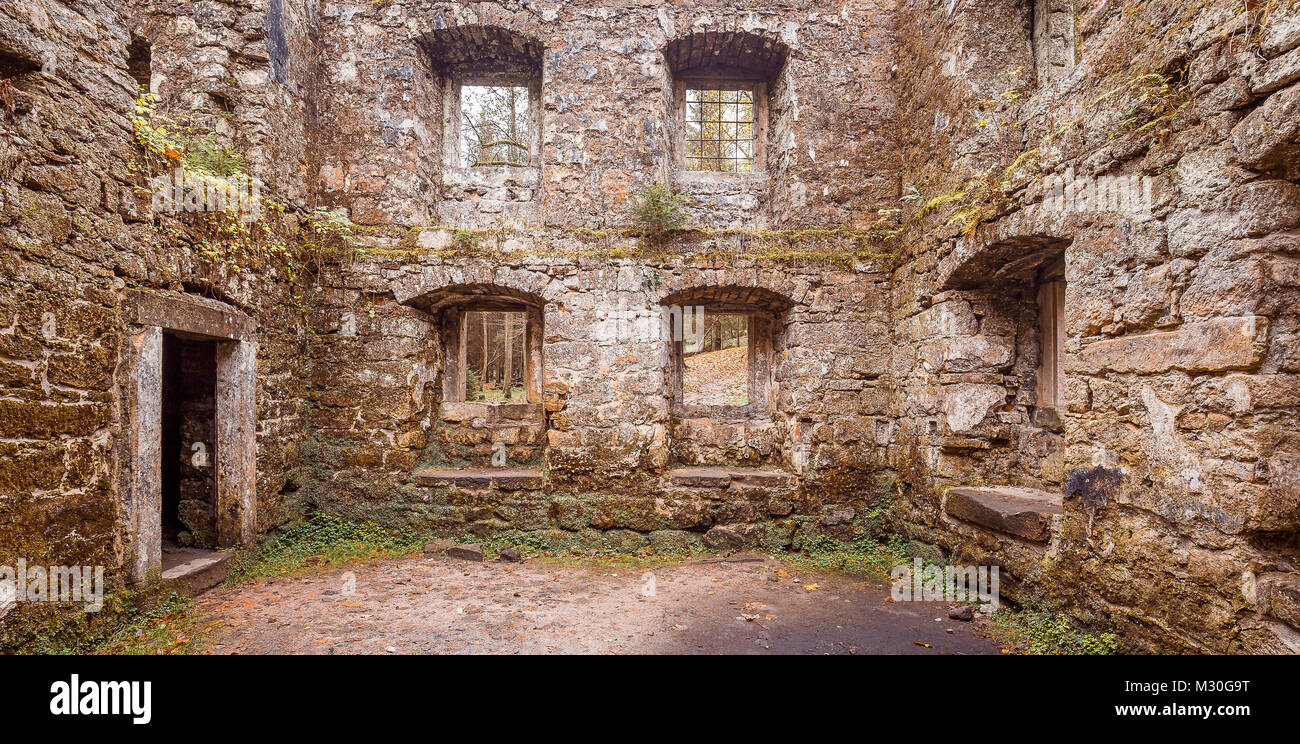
<point x="720" y="126"/>
<point x="495" y="125"/>
<point x="715" y="354"/>
<point x="496" y="357"/>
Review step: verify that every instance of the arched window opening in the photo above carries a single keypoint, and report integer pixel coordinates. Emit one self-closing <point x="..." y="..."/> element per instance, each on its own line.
<point x="721" y="86"/>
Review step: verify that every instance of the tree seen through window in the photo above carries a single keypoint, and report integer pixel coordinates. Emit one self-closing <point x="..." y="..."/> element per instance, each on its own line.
<point x="715" y="351"/>
<point x="496" y="361"/>
<point x="719" y="130"/>
<point x="494" y="125"/>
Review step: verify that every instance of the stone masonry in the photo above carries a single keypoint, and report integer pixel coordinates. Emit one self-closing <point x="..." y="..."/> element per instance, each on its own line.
<point x="1022" y="280"/>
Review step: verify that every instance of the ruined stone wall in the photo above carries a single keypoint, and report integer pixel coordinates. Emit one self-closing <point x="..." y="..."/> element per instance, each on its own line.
<point x="605" y="117"/>
<point x="243" y="70"/>
<point x="905" y="362"/>
<point x="77" y="233"/>
<point x="552" y="232"/>
<point x="609" y="439"/>
<point x="1176" y="450"/>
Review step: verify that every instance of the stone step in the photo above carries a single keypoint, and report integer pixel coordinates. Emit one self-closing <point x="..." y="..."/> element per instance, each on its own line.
<point x="1023" y="512"/>
<point x="196" y="571"/>
<point x="503" y="479"/>
<point x="720" y="477"/>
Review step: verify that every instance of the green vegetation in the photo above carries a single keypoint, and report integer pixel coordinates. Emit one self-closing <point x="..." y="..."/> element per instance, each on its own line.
<point x="864" y="556"/>
<point x="329" y="235"/>
<point x="134" y="620"/>
<point x="169" y="626"/>
<point x="177" y="143"/>
<point x="1048" y="633"/>
<point x="660" y="210"/>
<point x="321" y="543"/>
<point x="466" y="239"/>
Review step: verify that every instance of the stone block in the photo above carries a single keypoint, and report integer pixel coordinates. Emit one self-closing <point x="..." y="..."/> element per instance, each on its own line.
<point x="1022" y="512"/>
<point x="468" y="552"/>
<point x="700" y="477"/>
<point x="1217" y="345"/>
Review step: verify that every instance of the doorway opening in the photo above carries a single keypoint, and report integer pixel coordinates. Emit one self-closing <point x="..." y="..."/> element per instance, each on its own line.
<point x="189" y="441"/>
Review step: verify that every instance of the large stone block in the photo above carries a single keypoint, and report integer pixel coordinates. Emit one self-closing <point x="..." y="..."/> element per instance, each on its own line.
<point x="1268" y="134"/>
<point x="1217" y="345"/>
<point x="968" y="354"/>
<point x="1022" y="512"/>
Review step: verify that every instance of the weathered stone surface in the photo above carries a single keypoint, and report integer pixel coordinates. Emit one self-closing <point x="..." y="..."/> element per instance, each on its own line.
<point x="723" y="538"/>
<point x="189" y="313"/>
<point x="704" y="477"/>
<point x="763" y="478"/>
<point x="966" y="405"/>
<point x="1278" y="594"/>
<point x="194" y="571"/>
<point x="1022" y="512"/>
<point x="506" y="479"/>
<point x="1268" y="134"/>
<point x="466" y="552"/>
<point x="964" y="613"/>
<point x="1217" y="345"/>
<point x="439" y="546"/>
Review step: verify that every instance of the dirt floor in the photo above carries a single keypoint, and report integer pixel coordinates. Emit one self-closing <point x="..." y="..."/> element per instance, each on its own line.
<point x="440" y="605"/>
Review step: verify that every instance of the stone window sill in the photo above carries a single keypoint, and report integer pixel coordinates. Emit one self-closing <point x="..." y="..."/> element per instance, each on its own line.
<point x="749" y="413"/>
<point x="704" y="180"/>
<point x="493" y="176"/>
<point x="491" y="413"/>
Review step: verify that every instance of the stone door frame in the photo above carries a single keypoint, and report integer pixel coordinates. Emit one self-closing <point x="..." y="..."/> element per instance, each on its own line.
<point x="148" y="314"/>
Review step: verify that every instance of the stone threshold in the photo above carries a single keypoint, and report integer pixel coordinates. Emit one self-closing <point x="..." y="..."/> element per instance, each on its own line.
<point x="502" y="479"/>
<point x="194" y="569"/>
<point x="1021" y="512"/>
<point x="720" y="477"/>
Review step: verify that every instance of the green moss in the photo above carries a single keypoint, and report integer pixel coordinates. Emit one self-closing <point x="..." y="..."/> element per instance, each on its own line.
<point x="1048" y="633"/>
<point x="142" y="619"/>
<point x="864" y="556"/>
<point x="323" y="542"/>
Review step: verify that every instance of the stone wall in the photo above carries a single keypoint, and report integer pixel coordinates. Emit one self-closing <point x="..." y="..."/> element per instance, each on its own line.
<point x="928" y="165"/>
<point x="605" y="121"/>
<point x="77" y="232"/>
<point x="380" y="416"/>
<point x="1177" y="461"/>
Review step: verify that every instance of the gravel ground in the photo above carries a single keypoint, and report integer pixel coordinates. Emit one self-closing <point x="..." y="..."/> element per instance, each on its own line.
<point x="441" y="605"/>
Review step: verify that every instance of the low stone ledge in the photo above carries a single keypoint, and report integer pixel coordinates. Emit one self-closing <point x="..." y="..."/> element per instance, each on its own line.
<point x="738" y="478"/>
<point x="763" y="478"/>
<point x="195" y="570"/>
<point x="504" y="479"/>
<point x="1022" y="512"/>
<point x="700" y="477"/>
<point x="491" y="413"/>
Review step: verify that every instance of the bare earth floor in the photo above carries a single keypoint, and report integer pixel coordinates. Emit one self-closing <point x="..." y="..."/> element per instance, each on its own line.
<point x="441" y="605"/>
